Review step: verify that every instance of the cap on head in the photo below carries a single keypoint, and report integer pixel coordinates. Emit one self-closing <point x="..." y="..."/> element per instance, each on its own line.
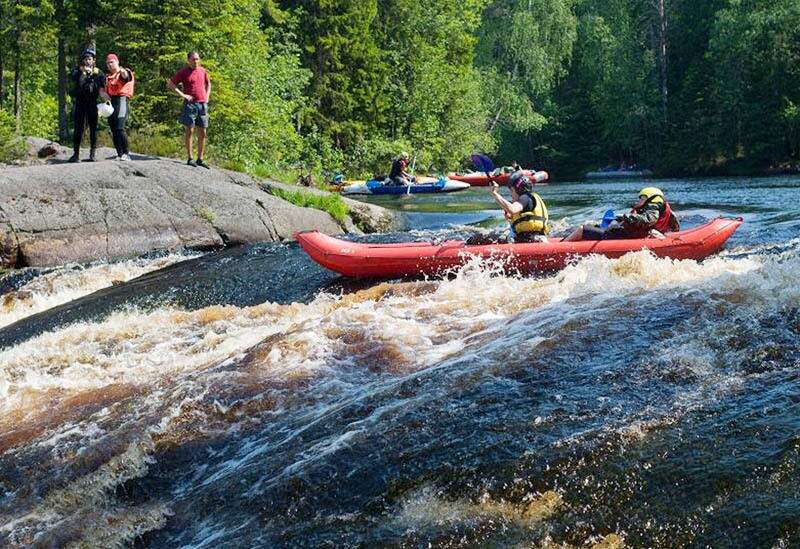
<point x="651" y="195"/>
<point x="112" y="57"/>
<point x="88" y="52"/>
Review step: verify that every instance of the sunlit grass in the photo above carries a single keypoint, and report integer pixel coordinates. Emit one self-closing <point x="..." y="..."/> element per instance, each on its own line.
<point x="331" y="203"/>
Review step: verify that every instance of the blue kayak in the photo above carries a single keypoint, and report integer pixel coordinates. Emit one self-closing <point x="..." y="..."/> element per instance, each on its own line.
<point x="374" y="186"/>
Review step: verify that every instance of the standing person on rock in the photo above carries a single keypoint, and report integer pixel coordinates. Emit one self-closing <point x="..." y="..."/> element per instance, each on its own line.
<point x="118" y="90"/>
<point x="87" y="81"/>
<point x="195" y="90"/>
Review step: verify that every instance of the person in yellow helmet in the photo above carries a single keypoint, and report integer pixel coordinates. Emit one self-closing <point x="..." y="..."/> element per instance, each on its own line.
<point x="652" y="211"/>
<point x="527" y="212"/>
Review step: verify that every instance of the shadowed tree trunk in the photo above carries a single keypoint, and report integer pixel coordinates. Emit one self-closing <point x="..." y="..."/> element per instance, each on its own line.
<point x="2" y="78"/>
<point x="17" y="94"/>
<point x="662" y="54"/>
<point x="63" y="127"/>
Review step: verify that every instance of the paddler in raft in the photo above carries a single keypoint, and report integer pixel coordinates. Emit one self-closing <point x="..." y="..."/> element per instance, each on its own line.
<point x="651" y="213"/>
<point x="399" y="173"/>
<point x="527" y="212"/>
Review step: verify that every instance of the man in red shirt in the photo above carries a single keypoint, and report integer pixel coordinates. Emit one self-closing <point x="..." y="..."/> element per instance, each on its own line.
<point x="195" y="90"/>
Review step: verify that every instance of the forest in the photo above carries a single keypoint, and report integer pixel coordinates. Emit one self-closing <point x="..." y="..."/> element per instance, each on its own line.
<point x="683" y="87"/>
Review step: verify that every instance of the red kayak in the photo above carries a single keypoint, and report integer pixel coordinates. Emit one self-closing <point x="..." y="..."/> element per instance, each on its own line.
<point x="425" y="258"/>
<point x="480" y="179"/>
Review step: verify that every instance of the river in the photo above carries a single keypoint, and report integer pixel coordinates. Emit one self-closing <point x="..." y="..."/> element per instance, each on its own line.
<point x="250" y="398"/>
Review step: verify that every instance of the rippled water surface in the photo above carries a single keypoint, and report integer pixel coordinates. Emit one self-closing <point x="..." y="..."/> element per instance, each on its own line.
<point x="250" y="398"/>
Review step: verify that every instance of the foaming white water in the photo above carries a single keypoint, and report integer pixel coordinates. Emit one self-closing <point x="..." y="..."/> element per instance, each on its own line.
<point x="425" y="508"/>
<point x="403" y="327"/>
<point x="73" y="281"/>
<point x="759" y="286"/>
<point x="388" y="329"/>
<point x="87" y="509"/>
<point x="131" y="347"/>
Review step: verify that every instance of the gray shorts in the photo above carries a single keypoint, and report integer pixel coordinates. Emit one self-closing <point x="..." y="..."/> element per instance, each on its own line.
<point x="194" y="114"/>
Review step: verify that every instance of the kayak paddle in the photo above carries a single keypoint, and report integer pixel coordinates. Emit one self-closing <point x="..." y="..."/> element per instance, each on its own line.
<point x="608" y="218"/>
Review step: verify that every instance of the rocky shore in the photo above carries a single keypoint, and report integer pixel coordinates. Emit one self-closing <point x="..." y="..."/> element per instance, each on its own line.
<point x="52" y="212"/>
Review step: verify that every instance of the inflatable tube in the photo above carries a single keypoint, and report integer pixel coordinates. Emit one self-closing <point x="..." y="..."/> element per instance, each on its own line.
<point x="424" y="185"/>
<point x="358" y="260"/>
<point x="479" y="179"/>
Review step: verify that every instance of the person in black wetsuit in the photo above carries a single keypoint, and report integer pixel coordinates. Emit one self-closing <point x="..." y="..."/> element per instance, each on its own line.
<point x="87" y="80"/>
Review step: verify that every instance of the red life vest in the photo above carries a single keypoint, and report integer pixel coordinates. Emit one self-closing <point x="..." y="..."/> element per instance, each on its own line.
<point x="116" y="86"/>
<point x="667" y="221"/>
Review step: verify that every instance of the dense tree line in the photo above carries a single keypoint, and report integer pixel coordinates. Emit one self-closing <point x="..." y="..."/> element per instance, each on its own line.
<point x="569" y="85"/>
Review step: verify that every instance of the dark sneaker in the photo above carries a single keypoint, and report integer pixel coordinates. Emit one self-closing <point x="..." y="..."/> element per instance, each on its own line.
<point x="91" y="157"/>
<point x="191" y="163"/>
<point x="203" y="164"/>
<point x="73" y="159"/>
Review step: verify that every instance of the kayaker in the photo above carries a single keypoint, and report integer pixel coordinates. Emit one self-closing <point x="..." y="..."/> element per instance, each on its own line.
<point x="399" y="174"/>
<point x="651" y="212"/>
<point x="527" y="212"/>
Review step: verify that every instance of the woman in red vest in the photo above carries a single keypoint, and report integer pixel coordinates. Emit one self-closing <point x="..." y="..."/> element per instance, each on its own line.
<point x="118" y="90"/>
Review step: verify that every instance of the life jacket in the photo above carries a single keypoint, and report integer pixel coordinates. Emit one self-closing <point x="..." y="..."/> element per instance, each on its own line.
<point x="667" y="221"/>
<point x="532" y="221"/>
<point x="116" y="86"/>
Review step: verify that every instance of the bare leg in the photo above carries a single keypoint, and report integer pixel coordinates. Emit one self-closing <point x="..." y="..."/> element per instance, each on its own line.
<point x="201" y="142"/>
<point x="187" y="140"/>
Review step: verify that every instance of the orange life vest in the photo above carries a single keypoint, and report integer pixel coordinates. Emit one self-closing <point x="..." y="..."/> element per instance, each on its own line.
<point x="116" y="86"/>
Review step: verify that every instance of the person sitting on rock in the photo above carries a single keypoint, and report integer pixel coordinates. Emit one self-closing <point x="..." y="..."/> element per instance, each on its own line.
<point x="399" y="174"/>
<point x="651" y="213"/>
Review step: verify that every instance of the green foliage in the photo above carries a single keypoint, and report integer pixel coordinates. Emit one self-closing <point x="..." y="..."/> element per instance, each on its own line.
<point x="11" y="146"/>
<point x="435" y="91"/>
<point x="155" y="140"/>
<point x="524" y="49"/>
<point x="331" y="203"/>
<point x="339" y="47"/>
<point x="320" y="86"/>
<point x="374" y="156"/>
<point x="756" y="79"/>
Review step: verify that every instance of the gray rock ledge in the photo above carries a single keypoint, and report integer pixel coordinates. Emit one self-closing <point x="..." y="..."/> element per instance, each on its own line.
<point x="52" y="212"/>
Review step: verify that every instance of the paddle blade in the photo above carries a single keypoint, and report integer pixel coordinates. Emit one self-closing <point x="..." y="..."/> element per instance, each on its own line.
<point x="482" y="163"/>
<point x="608" y="217"/>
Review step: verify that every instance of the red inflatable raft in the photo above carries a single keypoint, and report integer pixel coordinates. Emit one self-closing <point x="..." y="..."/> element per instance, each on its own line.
<point x="416" y="258"/>
<point x="480" y="179"/>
